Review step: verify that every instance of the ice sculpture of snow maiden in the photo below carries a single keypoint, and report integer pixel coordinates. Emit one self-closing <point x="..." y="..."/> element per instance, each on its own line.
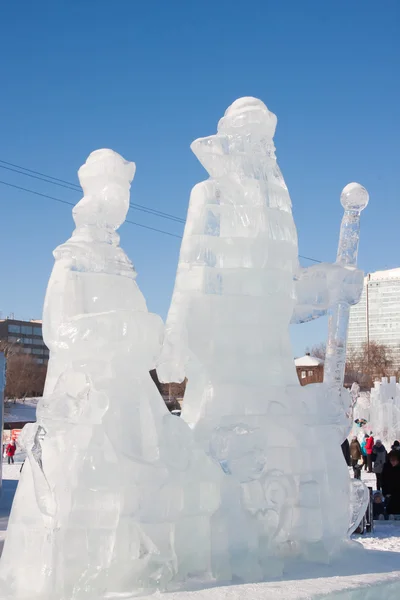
<point x="238" y="287"/>
<point x="113" y="484"/>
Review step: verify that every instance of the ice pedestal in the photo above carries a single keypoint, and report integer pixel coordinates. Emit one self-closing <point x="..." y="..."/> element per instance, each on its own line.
<point x="357" y="575"/>
<point x="361" y="587"/>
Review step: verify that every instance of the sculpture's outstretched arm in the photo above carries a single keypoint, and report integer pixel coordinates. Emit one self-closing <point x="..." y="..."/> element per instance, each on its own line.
<point x="321" y="286"/>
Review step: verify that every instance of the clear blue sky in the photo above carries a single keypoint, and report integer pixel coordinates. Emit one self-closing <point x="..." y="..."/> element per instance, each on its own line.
<point x="146" y="77"/>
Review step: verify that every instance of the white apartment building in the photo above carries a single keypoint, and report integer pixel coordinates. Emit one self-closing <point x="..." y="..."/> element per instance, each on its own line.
<point x="377" y="316"/>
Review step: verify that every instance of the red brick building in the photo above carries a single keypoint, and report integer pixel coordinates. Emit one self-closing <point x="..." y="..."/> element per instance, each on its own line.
<point x="309" y="369"/>
<point x="172" y="393"/>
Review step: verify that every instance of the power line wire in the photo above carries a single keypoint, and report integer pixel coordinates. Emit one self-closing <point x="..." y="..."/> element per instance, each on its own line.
<point x="312" y="259"/>
<point x="38" y="173"/>
<point x="69" y="186"/>
<point x="18" y="187"/>
<point x="76" y="188"/>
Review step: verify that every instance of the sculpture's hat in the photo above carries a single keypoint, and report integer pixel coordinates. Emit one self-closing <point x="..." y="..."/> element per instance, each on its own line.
<point x="106" y="164"/>
<point x="246" y="119"/>
<point x="249" y="114"/>
<point x="105" y="178"/>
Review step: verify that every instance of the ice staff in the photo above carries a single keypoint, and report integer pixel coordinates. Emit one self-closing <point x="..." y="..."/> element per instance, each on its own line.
<point x="354" y="198"/>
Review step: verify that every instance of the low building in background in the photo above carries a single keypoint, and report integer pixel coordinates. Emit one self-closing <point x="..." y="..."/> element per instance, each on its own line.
<point x="172" y="393"/>
<point x="25" y="337"/>
<point x="27" y="357"/>
<point x="309" y="369"/>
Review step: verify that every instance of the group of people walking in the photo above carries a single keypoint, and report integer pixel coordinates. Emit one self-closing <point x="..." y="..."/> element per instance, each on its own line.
<point x="370" y="454"/>
<point x="373" y="457"/>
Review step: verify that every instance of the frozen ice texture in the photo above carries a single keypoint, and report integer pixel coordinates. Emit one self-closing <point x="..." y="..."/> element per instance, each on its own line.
<point x="359" y="501"/>
<point x="381" y="410"/>
<point x="238" y="287"/>
<point x="322" y="286"/>
<point x="113" y="485"/>
<point x="361" y="411"/>
<point x="354" y="199"/>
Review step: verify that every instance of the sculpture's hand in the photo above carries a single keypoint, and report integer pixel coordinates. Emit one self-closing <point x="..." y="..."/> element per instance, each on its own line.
<point x="321" y="286"/>
<point x="346" y="285"/>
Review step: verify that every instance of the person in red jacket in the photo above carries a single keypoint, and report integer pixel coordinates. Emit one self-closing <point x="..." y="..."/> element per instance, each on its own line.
<point x="10" y="451"/>
<point x="369" y="447"/>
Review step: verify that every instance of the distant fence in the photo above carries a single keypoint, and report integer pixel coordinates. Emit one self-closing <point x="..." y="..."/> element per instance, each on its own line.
<point x="10" y="434"/>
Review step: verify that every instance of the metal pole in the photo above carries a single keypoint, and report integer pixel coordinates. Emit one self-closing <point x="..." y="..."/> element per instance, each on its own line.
<point x="354" y="198"/>
<point x="367" y="298"/>
<point x="2" y="386"/>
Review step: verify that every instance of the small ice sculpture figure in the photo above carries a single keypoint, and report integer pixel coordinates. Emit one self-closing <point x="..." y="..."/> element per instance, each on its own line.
<point x="384" y="414"/>
<point x="362" y="414"/>
<point x="114" y="483"/>
<point x="238" y="287"/>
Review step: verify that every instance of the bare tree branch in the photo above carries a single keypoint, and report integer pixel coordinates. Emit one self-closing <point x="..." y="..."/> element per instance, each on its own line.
<point x="368" y="364"/>
<point x="24" y="376"/>
<point x="318" y="350"/>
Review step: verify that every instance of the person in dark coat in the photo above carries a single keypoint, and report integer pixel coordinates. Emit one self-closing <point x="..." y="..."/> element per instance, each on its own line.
<point x="378" y="507"/>
<point x="391" y="483"/>
<point x="346" y="452"/>
<point x="379" y="457"/>
<point x="355" y="455"/>
<point x="396" y="445"/>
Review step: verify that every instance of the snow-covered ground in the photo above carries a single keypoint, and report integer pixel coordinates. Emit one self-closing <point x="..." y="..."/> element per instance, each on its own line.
<point x="11" y="472"/>
<point x="372" y="575"/>
<point x="20" y="411"/>
<point x="10" y="482"/>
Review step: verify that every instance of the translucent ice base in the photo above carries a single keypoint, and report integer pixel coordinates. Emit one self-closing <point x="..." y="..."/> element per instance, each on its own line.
<point x="374" y="586"/>
<point x="358" y="575"/>
<point x="366" y="587"/>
